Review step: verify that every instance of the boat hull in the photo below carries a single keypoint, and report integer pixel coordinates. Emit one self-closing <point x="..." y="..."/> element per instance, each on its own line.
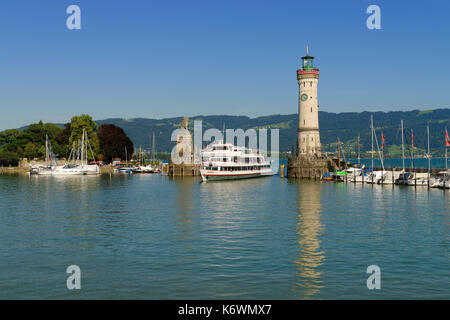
<point x="208" y="176"/>
<point x="62" y="171"/>
<point x="91" y="169"/>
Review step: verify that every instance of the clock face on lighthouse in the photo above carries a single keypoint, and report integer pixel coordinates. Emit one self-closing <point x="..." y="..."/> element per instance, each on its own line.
<point x="304" y="97"/>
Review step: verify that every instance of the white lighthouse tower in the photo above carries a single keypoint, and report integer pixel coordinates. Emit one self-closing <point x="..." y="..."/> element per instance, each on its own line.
<point x="309" y="162"/>
<point x="308" y="137"/>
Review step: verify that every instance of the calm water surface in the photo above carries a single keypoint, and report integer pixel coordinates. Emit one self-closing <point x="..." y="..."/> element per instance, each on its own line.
<point x="149" y="237"/>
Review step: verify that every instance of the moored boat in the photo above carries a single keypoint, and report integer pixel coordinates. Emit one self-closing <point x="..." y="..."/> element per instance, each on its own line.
<point x="224" y="161"/>
<point x="143" y="169"/>
<point x="50" y="161"/>
<point x="69" y="170"/>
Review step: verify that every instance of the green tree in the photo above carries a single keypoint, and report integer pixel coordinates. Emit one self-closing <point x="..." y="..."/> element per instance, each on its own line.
<point x="30" y="150"/>
<point x="8" y="158"/>
<point x="41" y="152"/>
<point x="21" y="142"/>
<point x="84" y="121"/>
<point x="9" y="136"/>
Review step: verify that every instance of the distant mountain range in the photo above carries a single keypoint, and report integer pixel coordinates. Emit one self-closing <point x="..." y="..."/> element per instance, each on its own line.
<point x="345" y="126"/>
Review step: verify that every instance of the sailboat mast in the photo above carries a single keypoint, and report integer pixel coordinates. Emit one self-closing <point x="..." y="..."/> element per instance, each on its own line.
<point x="379" y="152"/>
<point x="371" y="126"/>
<point x="46" y="151"/>
<point x="82" y="148"/>
<point x="403" y="147"/>
<point x="153" y="146"/>
<point x="339" y="153"/>
<point x="412" y="149"/>
<point x="359" y="155"/>
<point x="429" y="154"/>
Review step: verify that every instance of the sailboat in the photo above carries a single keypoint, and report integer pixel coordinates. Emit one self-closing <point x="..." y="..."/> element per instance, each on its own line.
<point x="50" y="161"/>
<point x="422" y="179"/>
<point x="376" y="177"/>
<point x="91" y="169"/>
<point x="443" y="178"/>
<point x="124" y="169"/>
<point x="70" y="167"/>
<point x="404" y="176"/>
<point x="141" y="168"/>
<point x="80" y="155"/>
<point x="339" y="175"/>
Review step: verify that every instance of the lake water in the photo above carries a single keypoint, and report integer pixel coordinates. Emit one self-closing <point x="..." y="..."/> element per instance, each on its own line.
<point x="150" y="237"/>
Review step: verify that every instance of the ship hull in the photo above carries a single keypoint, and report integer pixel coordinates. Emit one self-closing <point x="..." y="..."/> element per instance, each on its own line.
<point x="207" y="176"/>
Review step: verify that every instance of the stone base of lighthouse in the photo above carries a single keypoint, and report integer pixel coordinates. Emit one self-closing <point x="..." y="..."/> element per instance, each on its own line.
<point x="309" y="167"/>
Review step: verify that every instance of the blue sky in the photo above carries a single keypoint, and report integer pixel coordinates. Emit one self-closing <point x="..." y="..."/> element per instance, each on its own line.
<point x="159" y="59"/>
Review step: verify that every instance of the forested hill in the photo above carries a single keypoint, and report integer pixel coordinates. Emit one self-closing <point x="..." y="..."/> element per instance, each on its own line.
<point x="345" y="126"/>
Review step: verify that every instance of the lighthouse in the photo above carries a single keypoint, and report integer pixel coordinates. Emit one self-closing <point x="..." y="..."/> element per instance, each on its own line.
<point x="308" y="162"/>
<point x="308" y="137"/>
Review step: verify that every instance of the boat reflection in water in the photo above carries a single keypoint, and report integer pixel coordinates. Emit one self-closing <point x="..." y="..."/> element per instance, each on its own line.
<point x="309" y="230"/>
<point x="184" y="205"/>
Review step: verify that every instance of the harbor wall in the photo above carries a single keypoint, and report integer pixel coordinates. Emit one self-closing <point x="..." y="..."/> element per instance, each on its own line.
<point x="303" y="167"/>
<point x="182" y="170"/>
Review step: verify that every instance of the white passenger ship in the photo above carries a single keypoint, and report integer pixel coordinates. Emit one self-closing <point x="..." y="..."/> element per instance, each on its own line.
<point x="224" y="161"/>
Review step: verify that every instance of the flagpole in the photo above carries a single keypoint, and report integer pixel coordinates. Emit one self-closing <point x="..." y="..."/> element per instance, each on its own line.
<point x="446" y="167"/>
<point x="445" y="174"/>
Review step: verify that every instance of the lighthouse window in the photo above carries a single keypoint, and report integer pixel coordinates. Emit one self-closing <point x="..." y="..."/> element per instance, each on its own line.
<point x="310" y="83"/>
<point x="304" y="121"/>
<point x="311" y="109"/>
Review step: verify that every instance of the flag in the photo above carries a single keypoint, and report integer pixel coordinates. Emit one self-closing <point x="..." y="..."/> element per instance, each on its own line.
<point x="447" y="139"/>
<point x="412" y="139"/>
<point x="383" y="139"/>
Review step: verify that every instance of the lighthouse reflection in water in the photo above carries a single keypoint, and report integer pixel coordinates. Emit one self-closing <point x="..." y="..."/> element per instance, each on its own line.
<point x="309" y="231"/>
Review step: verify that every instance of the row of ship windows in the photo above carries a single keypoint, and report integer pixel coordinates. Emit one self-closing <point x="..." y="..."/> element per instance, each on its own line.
<point x="238" y="168"/>
<point x="235" y="159"/>
<point x="226" y="148"/>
